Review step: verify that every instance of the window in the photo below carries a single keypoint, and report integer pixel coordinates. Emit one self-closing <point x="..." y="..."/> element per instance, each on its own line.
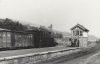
<point x="73" y="33"/>
<point x="81" y="33"/>
<point x="77" y="32"/>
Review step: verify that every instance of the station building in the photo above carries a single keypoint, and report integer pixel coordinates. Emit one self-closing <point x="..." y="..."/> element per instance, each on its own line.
<point x="79" y="35"/>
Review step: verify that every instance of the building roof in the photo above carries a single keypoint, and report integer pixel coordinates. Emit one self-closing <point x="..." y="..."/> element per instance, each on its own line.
<point x="81" y="27"/>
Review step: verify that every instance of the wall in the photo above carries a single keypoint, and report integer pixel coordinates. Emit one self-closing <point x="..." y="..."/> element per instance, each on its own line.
<point x="39" y="57"/>
<point x="85" y="34"/>
<point x="83" y="42"/>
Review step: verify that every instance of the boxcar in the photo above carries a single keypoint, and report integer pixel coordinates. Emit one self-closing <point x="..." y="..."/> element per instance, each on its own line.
<point x="36" y="37"/>
<point x="5" y="38"/>
<point x="23" y="39"/>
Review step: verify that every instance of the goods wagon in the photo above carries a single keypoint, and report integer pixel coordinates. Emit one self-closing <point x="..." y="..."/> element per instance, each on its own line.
<point x="5" y="38"/>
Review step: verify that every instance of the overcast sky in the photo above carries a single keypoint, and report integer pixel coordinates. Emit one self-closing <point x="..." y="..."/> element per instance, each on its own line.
<point x="63" y="14"/>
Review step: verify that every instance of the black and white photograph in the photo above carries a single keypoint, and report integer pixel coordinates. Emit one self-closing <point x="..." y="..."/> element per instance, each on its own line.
<point x="49" y="31"/>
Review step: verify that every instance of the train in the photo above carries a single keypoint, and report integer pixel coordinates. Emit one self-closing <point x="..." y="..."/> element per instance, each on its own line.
<point x="25" y="39"/>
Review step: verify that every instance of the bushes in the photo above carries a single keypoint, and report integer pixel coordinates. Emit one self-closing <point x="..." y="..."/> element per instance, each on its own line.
<point x="63" y="42"/>
<point x="91" y="43"/>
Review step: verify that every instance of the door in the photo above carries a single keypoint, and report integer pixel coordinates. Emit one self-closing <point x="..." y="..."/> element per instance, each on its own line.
<point x="77" y="42"/>
<point x="4" y="39"/>
<point x="0" y="39"/>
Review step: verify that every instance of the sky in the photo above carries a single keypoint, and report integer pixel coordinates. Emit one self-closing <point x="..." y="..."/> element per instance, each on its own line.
<point x="62" y="14"/>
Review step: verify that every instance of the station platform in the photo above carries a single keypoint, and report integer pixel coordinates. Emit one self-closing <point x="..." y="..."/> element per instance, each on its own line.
<point x="9" y="53"/>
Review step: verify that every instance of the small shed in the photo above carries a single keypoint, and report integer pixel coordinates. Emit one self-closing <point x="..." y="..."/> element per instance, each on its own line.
<point x="79" y="35"/>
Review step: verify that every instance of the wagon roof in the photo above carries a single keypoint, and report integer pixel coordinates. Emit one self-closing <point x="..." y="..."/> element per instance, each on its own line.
<point x="1" y="29"/>
<point x="81" y="27"/>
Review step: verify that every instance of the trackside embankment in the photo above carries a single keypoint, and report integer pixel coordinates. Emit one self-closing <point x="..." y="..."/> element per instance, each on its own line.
<point x="95" y="59"/>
